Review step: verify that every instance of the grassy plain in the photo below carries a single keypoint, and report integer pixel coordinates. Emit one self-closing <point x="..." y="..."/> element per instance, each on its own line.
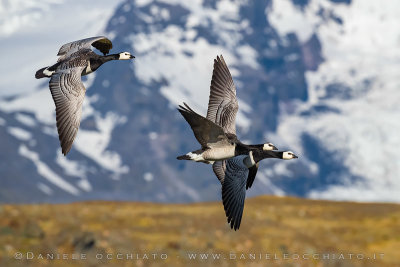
<point x="129" y="232"/>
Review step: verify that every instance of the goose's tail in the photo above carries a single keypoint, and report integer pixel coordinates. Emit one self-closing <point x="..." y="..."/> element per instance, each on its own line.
<point x="184" y="157"/>
<point x="43" y="73"/>
<point x="195" y="156"/>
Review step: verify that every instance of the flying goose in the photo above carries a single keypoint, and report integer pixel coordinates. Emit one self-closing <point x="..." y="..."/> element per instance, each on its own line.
<point x="76" y="59"/>
<point x="220" y="146"/>
<point x="217" y="132"/>
<point x="236" y="181"/>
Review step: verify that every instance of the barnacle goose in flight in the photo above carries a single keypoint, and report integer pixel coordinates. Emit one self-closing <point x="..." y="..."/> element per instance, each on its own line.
<point x="216" y="132"/>
<point x="233" y="162"/>
<point x="76" y="59"/>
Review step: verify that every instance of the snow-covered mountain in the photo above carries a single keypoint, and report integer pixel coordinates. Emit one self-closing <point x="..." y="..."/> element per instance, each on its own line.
<point x="318" y="77"/>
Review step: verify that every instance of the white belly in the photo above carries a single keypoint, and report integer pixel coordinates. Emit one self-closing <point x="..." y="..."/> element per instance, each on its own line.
<point x="216" y="153"/>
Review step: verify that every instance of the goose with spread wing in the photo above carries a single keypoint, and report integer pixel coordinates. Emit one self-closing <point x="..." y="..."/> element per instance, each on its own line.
<point x="233" y="162"/>
<point x="216" y="132"/>
<point x="76" y="59"/>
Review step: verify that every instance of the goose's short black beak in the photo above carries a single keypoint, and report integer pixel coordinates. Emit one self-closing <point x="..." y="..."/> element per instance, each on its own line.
<point x="132" y="57"/>
<point x="274" y="148"/>
<point x="294" y="156"/>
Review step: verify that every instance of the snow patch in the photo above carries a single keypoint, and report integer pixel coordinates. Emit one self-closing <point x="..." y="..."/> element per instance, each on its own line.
<point x="158" y="52"/>
<point x="25" y="119"/>
<point x="17" y="14"/>
<point x="248" y="56"/>
<point x="141" y="3"/>
<point x="148" y="177"/>
<point x="281" y="168"/>
<point x="71" y="167"/>
<point x="85" y="185"/>
<point x="362" y="55"/>
<point x="93" y="144"/>
<point x="289" y="19"/>
<point x="262" y="176"/>
<point x="38" y="102"/>
<point x="153" y="135"/>
<point x="46" y="172"/>
<point x="45" y="189"/>
<point x="19" y="133"/>
<point x="357" y="192"/>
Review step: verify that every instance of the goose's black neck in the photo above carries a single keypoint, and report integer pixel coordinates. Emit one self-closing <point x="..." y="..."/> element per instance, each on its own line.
<point x="95" y="63"/>
<point x="259" y="155"/>
<point x="105" y="59"/>
<point x="256" y="147"/>
<point x="241" y="149"/>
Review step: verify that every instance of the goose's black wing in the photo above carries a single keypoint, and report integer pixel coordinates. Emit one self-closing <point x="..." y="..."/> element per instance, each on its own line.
<point x="100" y="42"/>
<point x="234" y="190"/>
<point x="207" y="133"/>
<point x="219" y="168"/>
<point x="252" y="175"/>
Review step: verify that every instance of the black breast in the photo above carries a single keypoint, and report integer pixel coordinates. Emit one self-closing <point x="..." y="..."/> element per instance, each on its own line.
<point x="95" y="63"/>
<point x="241" y="149"/>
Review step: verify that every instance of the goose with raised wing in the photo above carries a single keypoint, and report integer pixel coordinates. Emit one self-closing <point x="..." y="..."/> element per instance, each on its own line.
<point x="216" y="132"/>
<point x="76" y="59"/>
<point x="234" y="163"/>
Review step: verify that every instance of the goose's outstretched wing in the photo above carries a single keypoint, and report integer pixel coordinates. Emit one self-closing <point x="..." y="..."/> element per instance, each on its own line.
<point x="100" y="42"/>
<point x="252" y="175"/>
<point x="207" y="133"/>
<point x="222" y="105"/>
<point x="219" y="168"/>
<point x="234" y="190"/>
<point x="68" y="93"/>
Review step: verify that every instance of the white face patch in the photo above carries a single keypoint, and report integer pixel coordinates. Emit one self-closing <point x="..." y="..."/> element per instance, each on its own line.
<point x="288" y="155"/>
<point x="47" y="72"/>
<point x="268" y="146"/>
<point x="124" y="56"/>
